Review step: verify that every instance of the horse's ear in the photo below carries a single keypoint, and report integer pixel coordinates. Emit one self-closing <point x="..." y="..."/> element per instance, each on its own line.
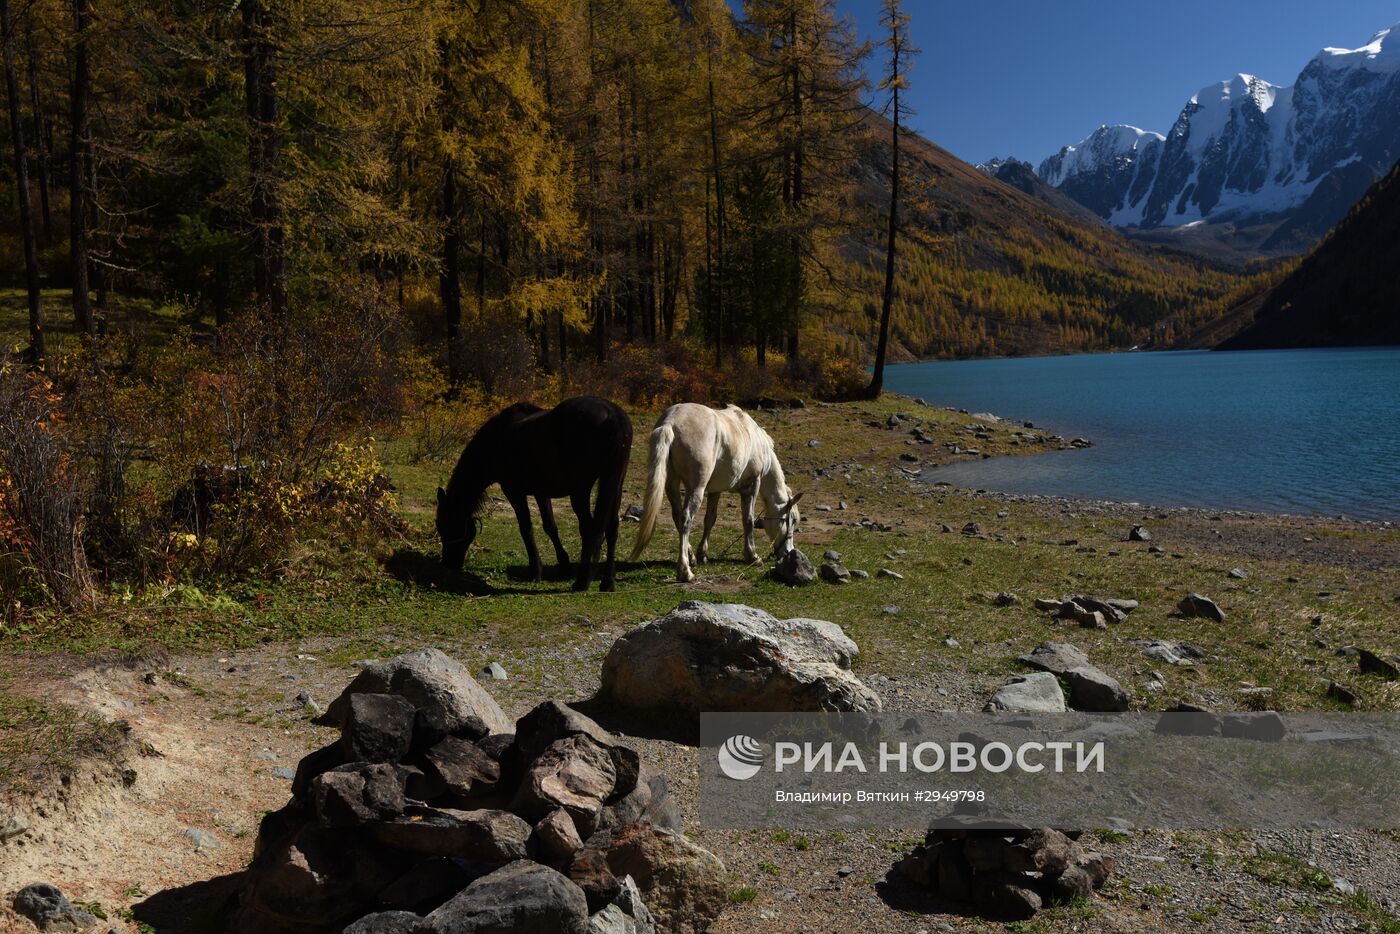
<point x="442" y="495"/>
<point x="787" y="507"/>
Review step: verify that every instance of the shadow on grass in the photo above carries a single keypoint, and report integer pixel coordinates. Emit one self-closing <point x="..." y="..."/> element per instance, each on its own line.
<point x="427" y="573"/>
<point x="202" y="907"/>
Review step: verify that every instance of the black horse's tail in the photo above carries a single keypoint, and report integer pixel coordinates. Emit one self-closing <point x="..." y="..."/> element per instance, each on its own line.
<point x="661" y="440"/>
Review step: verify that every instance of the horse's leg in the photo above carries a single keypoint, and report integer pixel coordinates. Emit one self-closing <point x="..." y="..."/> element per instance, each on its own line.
<point x="521" y="504"/>
<point x="586" y="531"/>
<point x="693" y="500"/>
<point x="609" y="504"/>
<point x="676" y="496"/>
<point x="746" y="501"/>
<point x="551" y="529"/>
<point x="711" y="514"/>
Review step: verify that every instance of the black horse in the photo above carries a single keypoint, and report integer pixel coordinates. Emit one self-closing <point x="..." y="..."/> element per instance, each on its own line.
<point x="544" y="453"/>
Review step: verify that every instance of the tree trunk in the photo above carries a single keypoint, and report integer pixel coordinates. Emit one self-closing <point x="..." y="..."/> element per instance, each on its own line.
<point x="36" y="105"/>
<point x="877" y="379"/>
<point x="718" y="284"/>
<point x="80" y="144"/>
<point x="21" y="167"/>
<point x="450" y="282"/>
<point x="269" y="263"/>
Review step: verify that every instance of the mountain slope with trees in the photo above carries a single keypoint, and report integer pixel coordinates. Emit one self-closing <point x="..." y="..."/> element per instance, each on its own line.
<point x="986" y="268"/>
<point x="1344" y="293"/>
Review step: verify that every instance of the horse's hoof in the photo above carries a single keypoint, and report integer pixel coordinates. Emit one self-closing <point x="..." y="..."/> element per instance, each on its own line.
<point x="686" y="577"/>
<point x="580" y="586"/>
<point x="607" y="587"/>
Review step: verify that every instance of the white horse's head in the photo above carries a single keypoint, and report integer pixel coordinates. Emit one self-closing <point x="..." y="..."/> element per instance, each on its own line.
<point x="780" y="523"/>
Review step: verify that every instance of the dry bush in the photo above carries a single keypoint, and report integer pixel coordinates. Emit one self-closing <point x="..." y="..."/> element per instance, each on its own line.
<point x="214" y="457"/>
<point x="41" y="518"/>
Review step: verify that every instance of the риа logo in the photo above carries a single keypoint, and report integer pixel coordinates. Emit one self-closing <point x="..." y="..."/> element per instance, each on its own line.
<point x="741" y="757"/>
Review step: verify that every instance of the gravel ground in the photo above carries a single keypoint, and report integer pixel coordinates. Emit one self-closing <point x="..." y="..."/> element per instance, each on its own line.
<point x="221" y="730"/>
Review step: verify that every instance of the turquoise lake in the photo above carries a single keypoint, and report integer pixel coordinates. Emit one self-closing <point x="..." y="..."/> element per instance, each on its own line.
<point x="1313" y="432"/>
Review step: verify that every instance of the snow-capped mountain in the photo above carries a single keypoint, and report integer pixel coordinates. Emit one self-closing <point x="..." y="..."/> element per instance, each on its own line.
<point x="1247" y="151"/>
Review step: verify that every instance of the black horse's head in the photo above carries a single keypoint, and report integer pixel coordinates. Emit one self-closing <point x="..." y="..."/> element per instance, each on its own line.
<point x="456" y="526"/>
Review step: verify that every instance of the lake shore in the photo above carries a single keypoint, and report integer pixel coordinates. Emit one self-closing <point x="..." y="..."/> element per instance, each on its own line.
<point x="213" y="686"/>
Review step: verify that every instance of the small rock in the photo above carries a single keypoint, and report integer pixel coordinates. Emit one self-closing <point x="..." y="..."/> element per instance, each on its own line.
<point x="1006" y="599"/>
<point x="889" y="575"/>
<point x="1238" y="574"/>
<point x="1038" y="692"/>
<point x="633" y="513"/>
<point x="1139" y="533"/>
<point x="494" y="672"/>
<point x="16" y="825"/>
<point x="890" y="609"/>
<point x="1343" y="886"/>
<point x="972" y="528"/>
<point x="952" y="643"/>
<point x="1195" y="605"/>
<point x="1340" y="692"/>
<point x="834" y="573"/>
<point x="1373" y="664"/>
<point x="307" y="703"/>
<point x="202" y="839"/>
<point x="50" y="910"/>
<point x="858" y="574"/>
<point x="813" y="443"/>
<point x="794" y="569"/>
<point x="833" y="556"/>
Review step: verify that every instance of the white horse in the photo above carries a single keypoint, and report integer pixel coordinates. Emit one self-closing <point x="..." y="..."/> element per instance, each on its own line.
<point x="700" y="453"/>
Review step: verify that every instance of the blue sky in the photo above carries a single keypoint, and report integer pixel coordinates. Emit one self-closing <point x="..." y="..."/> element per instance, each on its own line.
<point x="1025" y="77"/>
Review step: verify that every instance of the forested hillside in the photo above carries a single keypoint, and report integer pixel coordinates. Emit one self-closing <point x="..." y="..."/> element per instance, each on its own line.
<point x="989" y="269"/>
<point x="1344" y="293"/>
<point x="533" y="181"/>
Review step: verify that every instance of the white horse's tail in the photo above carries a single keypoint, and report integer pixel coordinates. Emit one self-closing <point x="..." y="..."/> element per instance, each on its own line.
<point x="661" y="439"/>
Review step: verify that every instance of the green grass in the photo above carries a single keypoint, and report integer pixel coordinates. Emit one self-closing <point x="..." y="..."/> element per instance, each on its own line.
<point x="1286" y="871"/>
<point x="376" y="600"/>
<point x="40" y="739"/>
<point x="743" y="895"/>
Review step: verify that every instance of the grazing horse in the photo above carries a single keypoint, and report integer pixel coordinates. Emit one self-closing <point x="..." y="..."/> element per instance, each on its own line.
<point x="545" y="454"/>
<point x="700" y="453"/>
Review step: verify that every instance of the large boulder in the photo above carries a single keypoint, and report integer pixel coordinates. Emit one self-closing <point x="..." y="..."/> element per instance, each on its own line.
<point x="436" y="684"/>
<point x="724" y="656"/>
<point x="683" y="884"/>
<point x="520" y="898"/>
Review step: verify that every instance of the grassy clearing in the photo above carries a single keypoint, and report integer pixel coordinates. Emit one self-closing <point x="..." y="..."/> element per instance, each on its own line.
<point x="377" y="601"/>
